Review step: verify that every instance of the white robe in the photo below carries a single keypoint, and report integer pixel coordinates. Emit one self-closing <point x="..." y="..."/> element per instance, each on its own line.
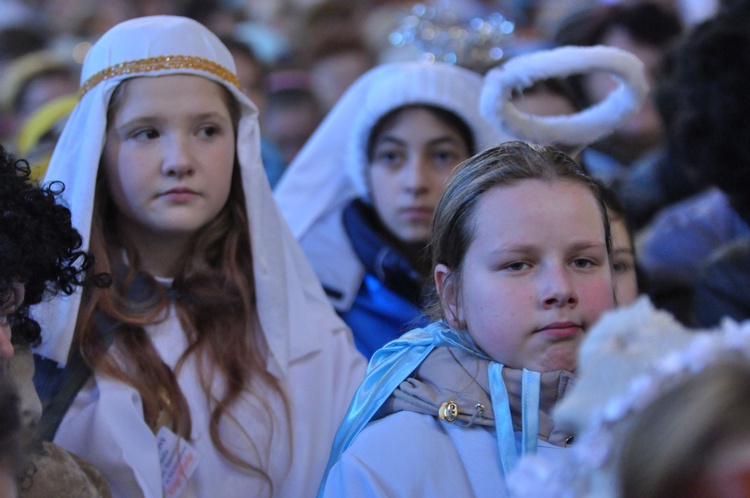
<point x="408" y="454"/>
<point x="105" y="424"/>
<point x="310" y="350"/>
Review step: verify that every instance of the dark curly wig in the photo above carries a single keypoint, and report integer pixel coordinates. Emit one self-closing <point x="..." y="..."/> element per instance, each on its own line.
<point x="709" y="103"/>
<point x="38" y="245"/>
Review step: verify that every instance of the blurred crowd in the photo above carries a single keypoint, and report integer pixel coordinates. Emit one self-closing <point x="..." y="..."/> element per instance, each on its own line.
<point x="348" y="128"/>
<point x="295" y="58"/>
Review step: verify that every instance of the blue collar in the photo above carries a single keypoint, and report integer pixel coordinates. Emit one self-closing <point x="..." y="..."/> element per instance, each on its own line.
<point x="395" y="361"/>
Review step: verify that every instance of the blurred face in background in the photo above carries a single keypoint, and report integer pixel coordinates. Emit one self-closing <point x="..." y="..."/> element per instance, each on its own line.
<point x="410" y="165"/>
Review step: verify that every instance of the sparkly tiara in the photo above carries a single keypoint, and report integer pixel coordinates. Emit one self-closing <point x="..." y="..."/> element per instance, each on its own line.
<point x="588" y="467"/>
<point x="160" y="63"/>
<point x="438" y="33"/>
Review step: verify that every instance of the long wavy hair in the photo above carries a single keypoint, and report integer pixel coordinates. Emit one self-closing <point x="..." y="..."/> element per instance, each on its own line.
<point x="214" y="298"/>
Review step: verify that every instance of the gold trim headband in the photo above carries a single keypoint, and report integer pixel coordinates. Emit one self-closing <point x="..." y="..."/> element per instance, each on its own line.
<point x="160" y="63"/>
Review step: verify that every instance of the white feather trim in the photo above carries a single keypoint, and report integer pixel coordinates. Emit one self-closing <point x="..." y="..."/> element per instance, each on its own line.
<point x="582" y="128"/>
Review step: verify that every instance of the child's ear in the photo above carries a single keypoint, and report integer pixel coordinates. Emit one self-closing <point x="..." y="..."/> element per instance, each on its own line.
<point x="447" y="289"/>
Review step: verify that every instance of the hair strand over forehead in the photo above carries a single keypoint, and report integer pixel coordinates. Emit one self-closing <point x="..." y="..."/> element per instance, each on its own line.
<point x="501" y="166"/>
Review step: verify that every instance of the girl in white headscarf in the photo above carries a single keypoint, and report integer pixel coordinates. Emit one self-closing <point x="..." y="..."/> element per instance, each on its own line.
<point x="361" y="193"/>
<point x="214" y="363"/>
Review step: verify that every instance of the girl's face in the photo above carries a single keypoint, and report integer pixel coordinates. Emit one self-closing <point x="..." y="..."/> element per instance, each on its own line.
<point x="411" y="163"/>
<point x="169" y="156"/>
<point x="623" y="263"/>
<point x="535" y="276"/>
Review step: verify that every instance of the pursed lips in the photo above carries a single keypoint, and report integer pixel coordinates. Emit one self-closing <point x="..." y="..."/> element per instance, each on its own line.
<point x="179" y="194"/>
<point x="560" y="330"/>
<point x="178" y="190"/>
<point x="416" y="211"/>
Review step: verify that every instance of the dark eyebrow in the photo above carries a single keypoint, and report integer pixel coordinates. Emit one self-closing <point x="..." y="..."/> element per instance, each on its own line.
<point x="435" y="141"/>
<point x="443" y="139"/>
<point x="391" y="139"/>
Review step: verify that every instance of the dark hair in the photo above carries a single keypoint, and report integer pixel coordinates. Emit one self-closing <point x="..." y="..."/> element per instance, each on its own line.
<point x="645" y="22"/>
<point x="560" y="87"/>
<point x="453" y="227"/>
<point x="38" y="245"/>
<point x="238" y="46"/>
<point x="58" y="73"/>
<point x="334" y="46"/>
<point x="449" y="118"/>
<point x="290" y="98"/>
<point x="17" y="41"/>
<point x="706" y="95"/>
<point x="615" y="208"/>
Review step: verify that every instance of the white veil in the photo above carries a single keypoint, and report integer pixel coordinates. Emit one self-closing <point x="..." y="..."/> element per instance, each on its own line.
<point x="289" y="296"/>
<point x="329" y="171"/>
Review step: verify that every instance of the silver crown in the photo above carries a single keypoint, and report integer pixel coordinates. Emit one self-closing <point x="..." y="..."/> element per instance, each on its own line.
<point x="439" y="33"/>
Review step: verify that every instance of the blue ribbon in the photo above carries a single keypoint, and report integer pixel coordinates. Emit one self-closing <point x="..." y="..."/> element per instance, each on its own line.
<point x="394" y="362"/>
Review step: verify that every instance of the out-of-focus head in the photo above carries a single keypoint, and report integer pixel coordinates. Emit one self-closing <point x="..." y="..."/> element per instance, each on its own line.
<point x="251" y="72"/>
<point x="644" y="29"/>
<point x="31" y="81"/>
<point x="392" y="86"/>
<point x="705" y="98"/>
<point x="417" y="122"/>
<point x="292" y="113"/>
<point x="713" y="408"/>
<point x="624" y="271"/>
<point x="412" y="151"/>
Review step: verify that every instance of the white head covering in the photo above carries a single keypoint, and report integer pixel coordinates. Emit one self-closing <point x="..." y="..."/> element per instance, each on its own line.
<point x="332" y="163"/>
<point x="289" y="296"/>
<point x="329" y="171"/>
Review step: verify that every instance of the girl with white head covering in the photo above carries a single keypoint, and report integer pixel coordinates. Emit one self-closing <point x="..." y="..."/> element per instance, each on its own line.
<point x="361" y="193"/>
<point x="215" y="345"/>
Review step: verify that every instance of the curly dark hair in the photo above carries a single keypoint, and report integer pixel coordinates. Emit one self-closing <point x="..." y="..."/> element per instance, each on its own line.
<point x="707" y="98"/>
<point x="38" y="245"/>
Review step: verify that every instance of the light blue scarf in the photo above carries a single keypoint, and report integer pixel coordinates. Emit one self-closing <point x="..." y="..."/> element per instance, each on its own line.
<point x="395" y="361"/>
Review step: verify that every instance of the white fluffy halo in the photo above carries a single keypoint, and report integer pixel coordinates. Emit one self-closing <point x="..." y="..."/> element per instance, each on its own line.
<point x="579" y="129"/>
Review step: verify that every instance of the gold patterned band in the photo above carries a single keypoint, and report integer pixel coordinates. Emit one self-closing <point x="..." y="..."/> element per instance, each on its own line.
<point x="160" y="63"/>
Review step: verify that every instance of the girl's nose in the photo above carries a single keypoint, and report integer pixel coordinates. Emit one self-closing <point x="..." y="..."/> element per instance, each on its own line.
<point x="178" y="159"/>
<point x="557" y="289"/>
<point x="415" y="175"/>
